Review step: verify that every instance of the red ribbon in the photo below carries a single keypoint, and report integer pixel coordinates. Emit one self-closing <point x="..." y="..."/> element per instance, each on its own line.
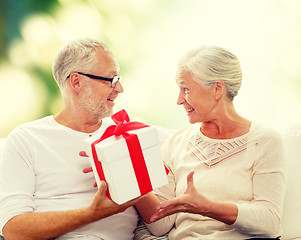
<point x="123" y="125"/>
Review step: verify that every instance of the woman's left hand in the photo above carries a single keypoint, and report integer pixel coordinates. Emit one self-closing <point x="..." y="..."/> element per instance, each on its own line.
<point x="191" y="201"/>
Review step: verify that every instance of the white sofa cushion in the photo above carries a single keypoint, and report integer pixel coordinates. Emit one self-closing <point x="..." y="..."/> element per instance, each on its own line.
<point x="2" y="140"/>
<point x="291" y="219"/>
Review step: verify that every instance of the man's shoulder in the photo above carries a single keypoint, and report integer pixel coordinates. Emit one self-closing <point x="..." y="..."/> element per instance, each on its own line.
<point x="32" y="126"/>
<point x="25" y="135"/>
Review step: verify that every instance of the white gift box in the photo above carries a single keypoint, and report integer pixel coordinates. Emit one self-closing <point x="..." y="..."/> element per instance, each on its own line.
<point x="118" y="168"/>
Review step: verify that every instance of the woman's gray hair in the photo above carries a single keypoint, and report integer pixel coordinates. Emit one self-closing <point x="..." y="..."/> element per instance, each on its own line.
<point x="209" y="64"/>
<point x="76" y="56"/>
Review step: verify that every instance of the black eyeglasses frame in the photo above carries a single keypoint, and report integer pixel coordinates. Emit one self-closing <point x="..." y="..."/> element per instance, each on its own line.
<point x="114" y="80"/>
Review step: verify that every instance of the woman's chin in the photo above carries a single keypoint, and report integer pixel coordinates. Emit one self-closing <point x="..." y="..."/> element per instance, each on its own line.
<point x="192" y="120"/>
<point x="192" y="117"/>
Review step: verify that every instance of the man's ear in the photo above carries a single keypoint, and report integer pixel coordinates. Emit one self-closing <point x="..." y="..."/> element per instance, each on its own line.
<point x="219" y="89"/>
<point x="75" y="82"/>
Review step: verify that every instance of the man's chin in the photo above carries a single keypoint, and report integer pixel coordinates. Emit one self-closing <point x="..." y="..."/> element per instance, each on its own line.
<point x="108" y="113"/>
<point x="104" y="113"/>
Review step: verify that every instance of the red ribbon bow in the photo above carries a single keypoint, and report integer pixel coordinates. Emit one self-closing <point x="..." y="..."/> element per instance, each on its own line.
<point x="123" y="125"/>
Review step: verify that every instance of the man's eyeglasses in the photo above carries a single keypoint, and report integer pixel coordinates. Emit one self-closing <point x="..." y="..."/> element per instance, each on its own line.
<point x="114" y="80"/>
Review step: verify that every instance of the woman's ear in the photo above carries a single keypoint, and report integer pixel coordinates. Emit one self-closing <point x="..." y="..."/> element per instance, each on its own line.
<point x="219" y="89"/>
<point x="74" y="82"/>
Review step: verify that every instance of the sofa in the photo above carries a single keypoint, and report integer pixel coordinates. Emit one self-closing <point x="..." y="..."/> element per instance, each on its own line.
<point x="291" y="219"/>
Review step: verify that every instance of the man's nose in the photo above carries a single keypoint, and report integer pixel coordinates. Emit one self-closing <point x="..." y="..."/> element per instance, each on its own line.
<point x="118" y="87"/>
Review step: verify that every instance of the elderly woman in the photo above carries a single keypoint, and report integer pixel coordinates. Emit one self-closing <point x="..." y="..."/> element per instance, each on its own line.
<point x="226" y="172"/>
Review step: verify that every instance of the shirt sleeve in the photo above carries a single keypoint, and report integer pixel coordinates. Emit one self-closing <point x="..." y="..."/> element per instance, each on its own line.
<point x="262" y="215"/>
<point x="16" y="178"/>
<point x="164" y="193"/>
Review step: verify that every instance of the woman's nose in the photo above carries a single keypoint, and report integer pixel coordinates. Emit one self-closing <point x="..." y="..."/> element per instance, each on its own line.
<point x="180" y="99"/>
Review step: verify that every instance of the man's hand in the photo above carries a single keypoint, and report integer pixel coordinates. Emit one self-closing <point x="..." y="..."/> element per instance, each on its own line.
<point x="102" y="206"/>
<point x="54" y="224"/>
<point x="88" y="169"/>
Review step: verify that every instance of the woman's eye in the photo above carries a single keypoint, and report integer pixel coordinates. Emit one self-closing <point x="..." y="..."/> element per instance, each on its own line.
<point x="185" y="90"/>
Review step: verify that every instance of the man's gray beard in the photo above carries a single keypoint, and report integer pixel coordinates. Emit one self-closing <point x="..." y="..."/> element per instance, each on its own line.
<point x="100" y="112"/>
<point x="97" y="110"/>
<point x="104" y="112"/>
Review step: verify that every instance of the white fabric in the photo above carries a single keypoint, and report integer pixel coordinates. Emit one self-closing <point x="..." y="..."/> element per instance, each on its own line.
<point x="2" y="141"/>
<point x="73" y="236"/>
<point x="291" y="219"/>
<point x="253" y="179"/>
<point x="41" y="171"/>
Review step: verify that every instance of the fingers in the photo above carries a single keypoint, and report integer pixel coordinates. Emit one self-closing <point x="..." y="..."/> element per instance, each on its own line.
<point x="190" y="178"/>
<point x="179" y="204"/>
<point x="130" y="203"/>
<point x="87" y="170"/>
<point x="162" y="214"/>
<point x="158" y="216"/>
<point x="168" y="204"/>
<point x="102" y="188"/>
<point x="190" y="184"/>
<point x="83" y="154"/>
<point x="167" y="208"/>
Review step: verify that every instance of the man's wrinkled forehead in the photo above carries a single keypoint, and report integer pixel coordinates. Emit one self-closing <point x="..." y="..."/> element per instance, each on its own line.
<point x="107" y="58"/>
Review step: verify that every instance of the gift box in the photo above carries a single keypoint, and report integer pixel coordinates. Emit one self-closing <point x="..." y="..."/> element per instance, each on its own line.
<point x="127" y="156"/>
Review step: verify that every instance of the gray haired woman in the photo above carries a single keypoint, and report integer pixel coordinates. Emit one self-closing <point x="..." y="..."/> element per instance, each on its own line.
<point x="226" y="172"/>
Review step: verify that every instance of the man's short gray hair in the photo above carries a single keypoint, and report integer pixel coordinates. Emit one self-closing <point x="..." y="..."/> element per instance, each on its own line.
<point x="210" y="64"/>
<point x="76" y="56"/>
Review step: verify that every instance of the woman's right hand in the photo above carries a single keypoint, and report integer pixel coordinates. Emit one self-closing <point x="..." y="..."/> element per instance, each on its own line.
<point x="190" y="201"/>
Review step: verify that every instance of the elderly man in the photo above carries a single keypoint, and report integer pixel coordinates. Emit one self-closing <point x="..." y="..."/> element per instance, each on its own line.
<point x="43" y="192"/>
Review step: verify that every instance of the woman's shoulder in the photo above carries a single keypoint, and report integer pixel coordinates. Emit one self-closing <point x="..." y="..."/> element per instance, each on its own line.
<point x="184" y="134"/>
<point x="264" y="133"/>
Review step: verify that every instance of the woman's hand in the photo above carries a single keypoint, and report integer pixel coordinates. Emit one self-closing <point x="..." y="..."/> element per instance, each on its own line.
<point x="191" y="201"/>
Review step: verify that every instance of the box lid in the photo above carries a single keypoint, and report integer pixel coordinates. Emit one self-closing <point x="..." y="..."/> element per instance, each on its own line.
<point x="115" y="147"/>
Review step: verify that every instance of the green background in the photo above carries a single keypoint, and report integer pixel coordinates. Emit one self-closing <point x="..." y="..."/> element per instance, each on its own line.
<point x="148" y="37"/>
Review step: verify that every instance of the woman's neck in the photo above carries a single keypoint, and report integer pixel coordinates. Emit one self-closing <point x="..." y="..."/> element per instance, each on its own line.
<point x="226" y="124"/>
